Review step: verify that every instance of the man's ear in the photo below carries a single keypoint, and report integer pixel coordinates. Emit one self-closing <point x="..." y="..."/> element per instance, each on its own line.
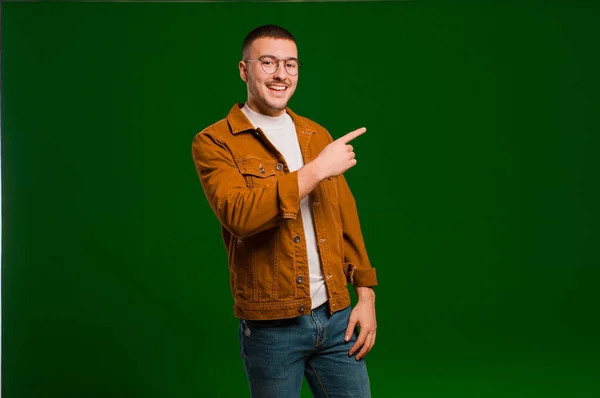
<point x="243" y="71"/>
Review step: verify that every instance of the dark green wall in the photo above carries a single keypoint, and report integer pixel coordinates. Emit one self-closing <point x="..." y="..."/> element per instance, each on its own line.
<point x="477" y="188"/>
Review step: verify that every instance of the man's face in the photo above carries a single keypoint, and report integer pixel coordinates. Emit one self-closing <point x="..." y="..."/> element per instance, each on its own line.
<point x="269" y="93"/>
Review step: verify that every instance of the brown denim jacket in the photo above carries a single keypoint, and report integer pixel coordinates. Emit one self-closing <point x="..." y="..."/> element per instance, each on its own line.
<point x="256" y="198"/>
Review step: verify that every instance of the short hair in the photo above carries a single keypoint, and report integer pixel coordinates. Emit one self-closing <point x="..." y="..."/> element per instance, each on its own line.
<point x="266" y="31"/>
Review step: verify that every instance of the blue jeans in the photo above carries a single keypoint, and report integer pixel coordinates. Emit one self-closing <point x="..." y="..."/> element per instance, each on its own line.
<point x="277" y="354"/>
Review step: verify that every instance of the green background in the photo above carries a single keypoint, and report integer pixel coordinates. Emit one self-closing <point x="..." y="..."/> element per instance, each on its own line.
<point x="476" y="184"/>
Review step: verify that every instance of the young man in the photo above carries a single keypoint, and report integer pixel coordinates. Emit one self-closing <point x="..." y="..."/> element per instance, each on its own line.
<point x="290" y="225"/>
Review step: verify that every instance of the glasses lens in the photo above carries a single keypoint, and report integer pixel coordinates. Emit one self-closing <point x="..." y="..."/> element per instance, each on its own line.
<point x="269" y="64"/>
<point x="291" y="66"/>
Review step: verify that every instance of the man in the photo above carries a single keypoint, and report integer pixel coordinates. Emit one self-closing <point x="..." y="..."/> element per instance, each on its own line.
<point x="290" y="225"/>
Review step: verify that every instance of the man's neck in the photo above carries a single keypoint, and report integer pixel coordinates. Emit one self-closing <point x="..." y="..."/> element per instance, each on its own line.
<point x="270" y="123"/>
<point x="264" y="112"/>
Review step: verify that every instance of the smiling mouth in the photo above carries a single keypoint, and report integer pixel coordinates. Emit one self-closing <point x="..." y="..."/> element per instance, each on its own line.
<point x="280" y="88"/>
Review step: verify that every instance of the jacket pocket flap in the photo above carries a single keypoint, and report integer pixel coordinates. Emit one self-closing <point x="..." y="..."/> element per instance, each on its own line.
<point x="256" y="167"/>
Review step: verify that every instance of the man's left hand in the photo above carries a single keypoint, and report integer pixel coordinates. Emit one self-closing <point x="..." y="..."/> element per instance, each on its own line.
<point x="363" y="316"/>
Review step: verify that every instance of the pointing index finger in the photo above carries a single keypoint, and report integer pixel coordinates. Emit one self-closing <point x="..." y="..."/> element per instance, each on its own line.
<point x="352" y="135"/>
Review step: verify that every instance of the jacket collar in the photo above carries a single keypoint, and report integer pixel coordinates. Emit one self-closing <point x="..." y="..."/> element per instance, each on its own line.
<point x="238" y="122"/>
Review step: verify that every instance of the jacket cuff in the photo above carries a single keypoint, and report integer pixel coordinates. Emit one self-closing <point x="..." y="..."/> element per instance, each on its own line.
<point x="360" y="277"/>
<point x="289" y="195"/>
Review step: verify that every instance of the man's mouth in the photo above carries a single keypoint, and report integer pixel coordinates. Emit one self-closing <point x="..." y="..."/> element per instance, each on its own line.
<point x="277" y="87"/>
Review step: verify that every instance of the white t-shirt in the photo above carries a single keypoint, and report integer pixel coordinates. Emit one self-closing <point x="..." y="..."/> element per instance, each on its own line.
<point x="280" y="130"/>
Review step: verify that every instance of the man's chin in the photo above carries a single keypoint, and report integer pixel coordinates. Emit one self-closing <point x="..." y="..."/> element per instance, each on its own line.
<point x="277" y="106"/>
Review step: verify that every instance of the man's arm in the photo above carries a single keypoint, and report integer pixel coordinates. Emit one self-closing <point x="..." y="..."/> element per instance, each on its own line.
<point x="309" y="176"/>
<point x="356" y="261"/>
<point x="360" y="273"/>
<point x="243" y="211"/>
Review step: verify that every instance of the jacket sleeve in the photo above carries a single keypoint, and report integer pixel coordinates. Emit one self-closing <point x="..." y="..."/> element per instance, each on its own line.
<point x="356" y="261"/>
<point x="242" y="211"/>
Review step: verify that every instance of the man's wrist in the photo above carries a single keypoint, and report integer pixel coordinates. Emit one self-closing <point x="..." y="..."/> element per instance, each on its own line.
<point x="315" y="171"/>
<point x="309" y="176"/>
<point x="365" y="292"/>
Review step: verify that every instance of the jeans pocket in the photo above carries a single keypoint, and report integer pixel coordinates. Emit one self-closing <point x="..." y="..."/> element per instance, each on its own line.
<point x="263" y="324"/>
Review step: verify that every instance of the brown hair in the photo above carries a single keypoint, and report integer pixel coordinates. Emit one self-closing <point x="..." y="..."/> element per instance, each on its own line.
<point x="266" y="31"/>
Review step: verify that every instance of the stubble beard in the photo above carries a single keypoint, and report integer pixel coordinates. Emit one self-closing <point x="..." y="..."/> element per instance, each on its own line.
<point x="262" y="100"/>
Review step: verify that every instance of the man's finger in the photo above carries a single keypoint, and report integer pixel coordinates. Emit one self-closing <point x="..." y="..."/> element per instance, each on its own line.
<point x="359" y="342"/>
<point x="350" y="329"/>
<point x="352" y="135"/>
<point x="366" y="347"/>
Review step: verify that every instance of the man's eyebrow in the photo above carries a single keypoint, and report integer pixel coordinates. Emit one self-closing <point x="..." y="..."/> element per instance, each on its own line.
<point x="272" y="56"/>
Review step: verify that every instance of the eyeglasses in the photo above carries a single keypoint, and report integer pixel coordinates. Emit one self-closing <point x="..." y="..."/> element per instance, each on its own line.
<point x="270" y="64"/>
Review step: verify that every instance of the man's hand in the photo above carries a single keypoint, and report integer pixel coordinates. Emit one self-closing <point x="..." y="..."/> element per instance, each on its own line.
<point x="338" y="156"/>
<point x="363" y="315"/>
<point x="333" y="160"/>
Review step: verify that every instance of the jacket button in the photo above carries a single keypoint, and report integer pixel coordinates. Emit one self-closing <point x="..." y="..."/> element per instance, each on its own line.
<point x="262" y="170"/>
<point x="301" y="308"/>
<point x="299" y="279"/>
<point x="296" y="239"/>
<point x="279" y="166"/>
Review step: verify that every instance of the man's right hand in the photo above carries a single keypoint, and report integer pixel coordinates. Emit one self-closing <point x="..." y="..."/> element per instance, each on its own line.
<point x="337" y="157"/>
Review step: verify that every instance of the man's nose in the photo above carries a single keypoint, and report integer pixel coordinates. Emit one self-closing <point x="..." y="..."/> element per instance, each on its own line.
<point x="281" y="72"/>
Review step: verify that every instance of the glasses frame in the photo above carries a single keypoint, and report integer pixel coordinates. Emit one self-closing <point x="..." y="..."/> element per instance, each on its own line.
<point x="260" y="59"/>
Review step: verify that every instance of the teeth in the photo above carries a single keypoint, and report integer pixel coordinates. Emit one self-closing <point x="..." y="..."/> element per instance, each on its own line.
<point x="278" y="88"/>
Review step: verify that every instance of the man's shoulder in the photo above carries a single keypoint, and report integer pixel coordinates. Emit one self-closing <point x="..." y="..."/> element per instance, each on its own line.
<point x="310" y="124"/>
<point x="216" y="130"/>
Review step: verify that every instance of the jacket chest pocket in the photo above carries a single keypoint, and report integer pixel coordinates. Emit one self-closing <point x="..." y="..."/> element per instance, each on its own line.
<point x="257" y="172"/>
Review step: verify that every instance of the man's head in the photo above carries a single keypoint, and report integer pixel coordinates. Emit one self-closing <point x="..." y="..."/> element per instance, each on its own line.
<point x="269" y="67"/>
